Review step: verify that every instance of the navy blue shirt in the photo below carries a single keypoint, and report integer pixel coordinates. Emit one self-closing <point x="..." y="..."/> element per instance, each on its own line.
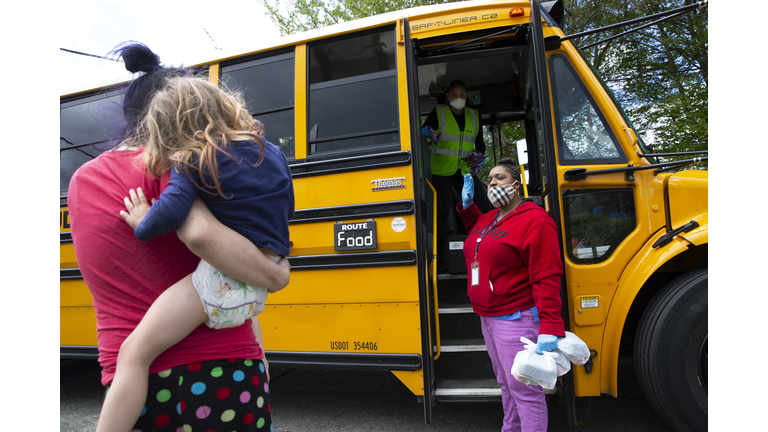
<point x="260" y="200"/>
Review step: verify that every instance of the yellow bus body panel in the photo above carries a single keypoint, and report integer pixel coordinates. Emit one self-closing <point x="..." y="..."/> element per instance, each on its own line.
<point x="352" y="327"/>
<point x="688" y="196"/>
<point x="317" y="238"/>
<point x="350" y="188"/>
<point x="77" y="326"/>
<point x="67" y="256"/>
<point x="354" y="285"/>
<point x="468" y="18"/>
<point x="300" y="102"/>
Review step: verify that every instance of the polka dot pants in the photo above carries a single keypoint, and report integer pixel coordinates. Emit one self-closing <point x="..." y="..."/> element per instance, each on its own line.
<point x="211" y="396"/>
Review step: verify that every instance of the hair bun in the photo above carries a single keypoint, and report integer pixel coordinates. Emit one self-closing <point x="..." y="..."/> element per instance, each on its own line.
<point x="137" y="57"/>
<point x="507" y="161"/>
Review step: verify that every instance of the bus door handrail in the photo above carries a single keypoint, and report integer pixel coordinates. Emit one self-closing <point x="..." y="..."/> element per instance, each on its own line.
<point x="433" y="267"/>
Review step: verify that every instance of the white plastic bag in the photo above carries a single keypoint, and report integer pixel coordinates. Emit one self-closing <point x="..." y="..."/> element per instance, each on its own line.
<point x="563" y="364"/>
<point x="531" y="368"/>
<point x="573" y="348"/>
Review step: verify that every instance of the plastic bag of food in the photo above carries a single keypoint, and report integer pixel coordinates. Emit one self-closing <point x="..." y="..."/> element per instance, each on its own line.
<point x="573" y="348"/>
<point x="531" y="368"/>
<point x="562" y="362"/>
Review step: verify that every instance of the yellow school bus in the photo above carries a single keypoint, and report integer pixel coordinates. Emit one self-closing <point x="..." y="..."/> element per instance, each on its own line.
<point x="345" y="104"/>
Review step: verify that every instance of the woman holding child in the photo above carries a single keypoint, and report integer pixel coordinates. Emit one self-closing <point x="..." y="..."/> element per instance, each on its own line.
<point x="199" y="377"/>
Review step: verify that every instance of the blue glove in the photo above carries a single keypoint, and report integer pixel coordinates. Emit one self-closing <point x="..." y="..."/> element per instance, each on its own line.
<point x="468" y="191"/>
<point x="545" y="342"/>
<point x="426" y="132"/>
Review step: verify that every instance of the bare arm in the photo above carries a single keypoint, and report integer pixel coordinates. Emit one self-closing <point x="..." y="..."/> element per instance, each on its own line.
<point x="230" y="252"/>
<point x="256" y="326"/>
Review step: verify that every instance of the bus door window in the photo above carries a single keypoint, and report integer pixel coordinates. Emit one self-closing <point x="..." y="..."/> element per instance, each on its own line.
<point x="353" y="95"/>
<point x="268" y="89"/>
<point x="596" y="219"/>
<point x="583" y="133"/>
<point x="596" y="222"/>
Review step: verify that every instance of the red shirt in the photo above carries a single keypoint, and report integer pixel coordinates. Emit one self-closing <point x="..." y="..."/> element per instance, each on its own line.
<point x="519" y="262"/>
<point x="125" y="275"/>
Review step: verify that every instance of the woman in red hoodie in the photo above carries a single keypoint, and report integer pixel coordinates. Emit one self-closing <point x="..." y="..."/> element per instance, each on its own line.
<point x="514" y="264"/>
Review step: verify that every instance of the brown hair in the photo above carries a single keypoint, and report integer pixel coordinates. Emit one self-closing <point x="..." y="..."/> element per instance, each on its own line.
<point x="188" y="121"/>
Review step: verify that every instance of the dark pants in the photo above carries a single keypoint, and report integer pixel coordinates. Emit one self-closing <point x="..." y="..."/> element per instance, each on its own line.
<point x="444" y="186"/>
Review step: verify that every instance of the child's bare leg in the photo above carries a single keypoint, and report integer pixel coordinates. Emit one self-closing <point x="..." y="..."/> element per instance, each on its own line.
<point x="174" y="315"/>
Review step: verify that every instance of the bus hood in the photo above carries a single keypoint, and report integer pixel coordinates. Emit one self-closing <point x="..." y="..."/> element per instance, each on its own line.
<point x="687" y="197"/>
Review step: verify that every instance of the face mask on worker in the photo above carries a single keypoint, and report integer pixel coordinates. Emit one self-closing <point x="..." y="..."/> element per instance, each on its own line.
<point x="458" y="103"/>
<point x="502" y="195"/>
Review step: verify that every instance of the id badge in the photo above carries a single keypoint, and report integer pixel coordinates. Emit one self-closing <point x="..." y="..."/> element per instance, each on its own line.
<point x="475" y="274"/>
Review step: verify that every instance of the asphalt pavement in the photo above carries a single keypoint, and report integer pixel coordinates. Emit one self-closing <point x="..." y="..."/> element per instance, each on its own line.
<point x="337" y="400"/>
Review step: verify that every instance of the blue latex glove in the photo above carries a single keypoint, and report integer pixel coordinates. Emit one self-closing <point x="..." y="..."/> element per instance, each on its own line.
<point x="426" y="132"/>
<point x="468" y="191"/>
<point x="545" y="342"/>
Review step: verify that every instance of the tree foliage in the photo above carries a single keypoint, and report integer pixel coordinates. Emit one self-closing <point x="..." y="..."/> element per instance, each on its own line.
<point x="301" y="15"/>
<point x="659" y="74"/>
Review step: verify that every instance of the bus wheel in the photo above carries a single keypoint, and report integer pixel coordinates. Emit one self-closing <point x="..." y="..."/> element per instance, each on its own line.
<point x="671" y="352"/>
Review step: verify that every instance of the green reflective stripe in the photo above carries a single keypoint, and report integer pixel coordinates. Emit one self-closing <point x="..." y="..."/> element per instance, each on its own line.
<point x="443" y="151"/>
<point x="457" y="138"/>
<point x="449" y="152"/>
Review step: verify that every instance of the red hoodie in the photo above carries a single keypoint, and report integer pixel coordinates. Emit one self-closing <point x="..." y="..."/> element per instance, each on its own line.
<point x="520" y="256"/>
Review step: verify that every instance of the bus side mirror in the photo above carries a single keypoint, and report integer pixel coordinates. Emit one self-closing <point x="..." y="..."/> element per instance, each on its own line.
<point x="551" y="43"/>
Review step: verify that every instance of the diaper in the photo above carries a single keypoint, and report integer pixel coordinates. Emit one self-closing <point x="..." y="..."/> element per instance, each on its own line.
<point x="227" y="301"/>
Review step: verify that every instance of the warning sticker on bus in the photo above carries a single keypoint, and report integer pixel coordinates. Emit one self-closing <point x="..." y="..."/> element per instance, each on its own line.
<point x="589" y="302"/>
<point x="354" y="236"/>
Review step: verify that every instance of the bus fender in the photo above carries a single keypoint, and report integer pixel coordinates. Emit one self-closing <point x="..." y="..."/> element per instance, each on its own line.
<point x="645" y="263"/>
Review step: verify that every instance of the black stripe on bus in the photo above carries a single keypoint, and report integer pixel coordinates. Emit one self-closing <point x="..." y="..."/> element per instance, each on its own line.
<point x="65" y="237"/>
<point x="78" y="352"/>
<point x="353" y="260"/>
<point x="356" y="211"/>
<point x="354" y="163"/>
<point x="387" y="362"/>
<point x="69" y="274"/>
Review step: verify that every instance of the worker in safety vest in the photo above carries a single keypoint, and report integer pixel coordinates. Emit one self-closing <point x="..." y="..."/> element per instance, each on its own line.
<point x="454" y="131"/>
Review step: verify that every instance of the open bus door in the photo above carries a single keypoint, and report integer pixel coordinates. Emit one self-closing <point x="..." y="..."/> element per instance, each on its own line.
<point x="512" y="88"/>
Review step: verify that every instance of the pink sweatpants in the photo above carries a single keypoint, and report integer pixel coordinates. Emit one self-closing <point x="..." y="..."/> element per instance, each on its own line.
<point x="525" y="408"/>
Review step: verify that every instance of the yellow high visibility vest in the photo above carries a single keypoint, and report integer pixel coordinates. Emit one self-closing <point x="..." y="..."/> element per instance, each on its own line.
<point x="453" y="144"/>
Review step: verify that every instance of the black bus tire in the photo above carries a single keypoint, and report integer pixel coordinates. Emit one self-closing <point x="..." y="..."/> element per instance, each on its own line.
<point x="671" y="352"/>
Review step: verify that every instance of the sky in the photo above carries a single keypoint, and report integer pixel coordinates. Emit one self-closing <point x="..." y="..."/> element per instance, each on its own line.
<point x="175" y="31"/>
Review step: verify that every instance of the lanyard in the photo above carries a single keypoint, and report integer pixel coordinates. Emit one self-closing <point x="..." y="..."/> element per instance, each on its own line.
<point x="486" y="231"/>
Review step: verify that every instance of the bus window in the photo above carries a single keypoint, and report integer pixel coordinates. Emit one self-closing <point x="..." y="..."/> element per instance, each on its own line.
<point x="596" y="222"/>
<point x="353" y="95"/>
<point x="268" y="89"/>
<point x="583" y="134"/>
<point x="83" y="125"/>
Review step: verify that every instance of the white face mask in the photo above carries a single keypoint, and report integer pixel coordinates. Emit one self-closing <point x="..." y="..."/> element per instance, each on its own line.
<point x="458" y="103"/>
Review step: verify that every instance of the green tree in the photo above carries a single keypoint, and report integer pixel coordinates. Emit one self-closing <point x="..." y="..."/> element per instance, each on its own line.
<point x="659" y="74"/>
<point x="303" y="15"/>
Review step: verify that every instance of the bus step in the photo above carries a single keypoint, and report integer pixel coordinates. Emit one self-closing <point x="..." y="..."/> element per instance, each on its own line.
<point x="455" y="309"/>
<point x="462" y="345"/>
<point x="448" y="276"/>
<point x="474" y="389"/>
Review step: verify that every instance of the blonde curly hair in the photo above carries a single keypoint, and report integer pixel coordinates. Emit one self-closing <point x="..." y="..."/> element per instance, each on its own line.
<point x="188" y="121"/>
